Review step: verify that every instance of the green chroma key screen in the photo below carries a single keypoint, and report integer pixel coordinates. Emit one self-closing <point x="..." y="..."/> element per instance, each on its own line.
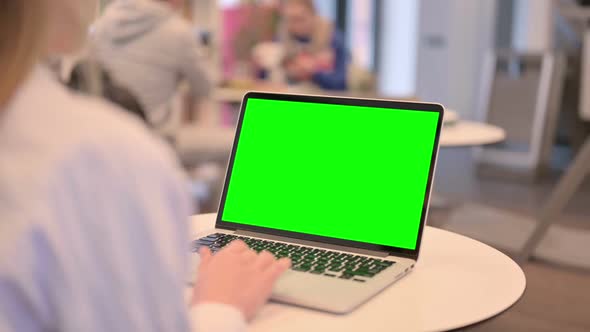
<point x="346" y="172"/>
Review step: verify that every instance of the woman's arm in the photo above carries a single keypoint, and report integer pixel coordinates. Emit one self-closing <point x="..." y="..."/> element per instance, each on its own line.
<point x="335" y="79"/>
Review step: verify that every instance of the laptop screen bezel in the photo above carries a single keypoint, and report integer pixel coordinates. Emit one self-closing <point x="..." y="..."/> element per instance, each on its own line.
<point x="388" y="104"/>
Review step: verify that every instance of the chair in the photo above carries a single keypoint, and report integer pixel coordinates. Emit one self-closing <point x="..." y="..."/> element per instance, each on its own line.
<point x="197" y="144"/>
<point x="540" y="235"/>
<point x="574" y="175"/>
<point x="517" y="87"/>
<point x="585" y="82"/>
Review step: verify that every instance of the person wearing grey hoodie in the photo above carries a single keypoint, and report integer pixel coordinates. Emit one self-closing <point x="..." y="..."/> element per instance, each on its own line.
<point x="150" y="49"/>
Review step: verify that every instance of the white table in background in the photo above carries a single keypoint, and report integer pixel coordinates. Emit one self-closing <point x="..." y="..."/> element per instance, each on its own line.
<point x="457" y="282"/>
<point x="468" y="133"/>
<point x="463" y="134"/>
<point x="455" y="134"/>
<point x="235" y="95"/>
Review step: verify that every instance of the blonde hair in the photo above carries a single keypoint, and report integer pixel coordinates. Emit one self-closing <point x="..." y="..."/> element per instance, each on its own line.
<point x="22" y="40"/>
<point x="309" y="4"/>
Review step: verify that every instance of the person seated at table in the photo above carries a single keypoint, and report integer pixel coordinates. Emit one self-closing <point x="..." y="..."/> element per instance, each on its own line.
<point x="93" y="209"/>
<point x="86" y="74"/>
<point x="150" y="49"/>
<point x="313" y="49"/>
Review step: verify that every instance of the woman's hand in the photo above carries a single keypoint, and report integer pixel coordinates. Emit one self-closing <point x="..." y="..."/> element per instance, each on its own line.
<point x="301" y="67"/>
<point x="238" y="276"/>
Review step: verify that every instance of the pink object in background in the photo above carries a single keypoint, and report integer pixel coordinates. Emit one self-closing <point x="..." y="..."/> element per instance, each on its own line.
<point x="244" y="27"/>
<point x="233" y="19"/>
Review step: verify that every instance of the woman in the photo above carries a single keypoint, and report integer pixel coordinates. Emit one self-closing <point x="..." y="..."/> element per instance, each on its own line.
<point x="93" y="210"/>
<point x="149" y="48"/>
<point x="314" y="50"/>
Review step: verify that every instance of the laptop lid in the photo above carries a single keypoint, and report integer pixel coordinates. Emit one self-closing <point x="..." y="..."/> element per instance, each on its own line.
<point x="351" y="172"/>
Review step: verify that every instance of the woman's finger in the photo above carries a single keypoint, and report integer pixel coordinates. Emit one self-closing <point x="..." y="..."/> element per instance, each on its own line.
<point x="264" y="260"/>
<point x="205" y="254"/>
<point x="249" y="256"/>
<point x="271" y="274"/>
<point x="236" y="246"/>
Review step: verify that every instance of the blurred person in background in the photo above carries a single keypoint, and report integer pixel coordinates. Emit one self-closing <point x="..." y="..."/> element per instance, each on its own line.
<point x="313" y="49"/>
<point x="93" y="209"/>
<point x="90" y="78"/>
<point x="147" y="47"/>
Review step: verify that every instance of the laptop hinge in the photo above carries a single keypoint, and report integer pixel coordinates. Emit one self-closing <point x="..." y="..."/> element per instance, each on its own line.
<point x="314" y="244"/>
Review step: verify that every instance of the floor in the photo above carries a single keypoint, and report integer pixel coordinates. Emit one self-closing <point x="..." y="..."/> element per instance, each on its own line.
<point x="557" y="298"/>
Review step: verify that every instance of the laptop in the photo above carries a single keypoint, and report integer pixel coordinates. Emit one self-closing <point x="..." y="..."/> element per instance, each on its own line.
<point x="339" y="185"/>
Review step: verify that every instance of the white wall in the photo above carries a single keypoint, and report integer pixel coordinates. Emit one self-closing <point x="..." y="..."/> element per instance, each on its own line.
<point x="326" y="8"/>
<point x="397" y="61"/>
<point x="533" y="25"/>
<point x="433" y="53"/>
<point x="362" y="30"/>
<point x="226" y="3"/>
<point x="455" y="36"/>
<point x="472" y="39"/>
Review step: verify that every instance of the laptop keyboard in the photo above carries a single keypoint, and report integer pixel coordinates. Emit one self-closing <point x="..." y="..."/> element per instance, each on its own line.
<point x="328" y="263"/>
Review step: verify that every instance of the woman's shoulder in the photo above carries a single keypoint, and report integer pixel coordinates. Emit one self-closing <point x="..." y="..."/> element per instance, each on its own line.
<point x="177" y="33"/>
<point x="65" y="157"/>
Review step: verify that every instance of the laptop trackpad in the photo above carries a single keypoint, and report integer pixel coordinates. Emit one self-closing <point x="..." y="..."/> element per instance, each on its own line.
<point x="319" y="292"/>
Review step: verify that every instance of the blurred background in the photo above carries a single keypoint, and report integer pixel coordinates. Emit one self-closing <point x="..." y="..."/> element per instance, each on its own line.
<point x="514" y="76"/>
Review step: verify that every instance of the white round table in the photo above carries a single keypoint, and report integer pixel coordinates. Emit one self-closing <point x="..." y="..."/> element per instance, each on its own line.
<point x="451" y="117"/>
<point x="236" y="95"/>
<point x="457" y="282"/>
<point x="468" y="133"/>
<point x="460" y="134"/>
<point x="228" y="95"/>
<point x="455" y="132"/>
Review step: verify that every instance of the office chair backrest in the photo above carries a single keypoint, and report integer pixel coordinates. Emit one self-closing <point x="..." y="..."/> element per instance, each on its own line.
<point x="521" y="93"/>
